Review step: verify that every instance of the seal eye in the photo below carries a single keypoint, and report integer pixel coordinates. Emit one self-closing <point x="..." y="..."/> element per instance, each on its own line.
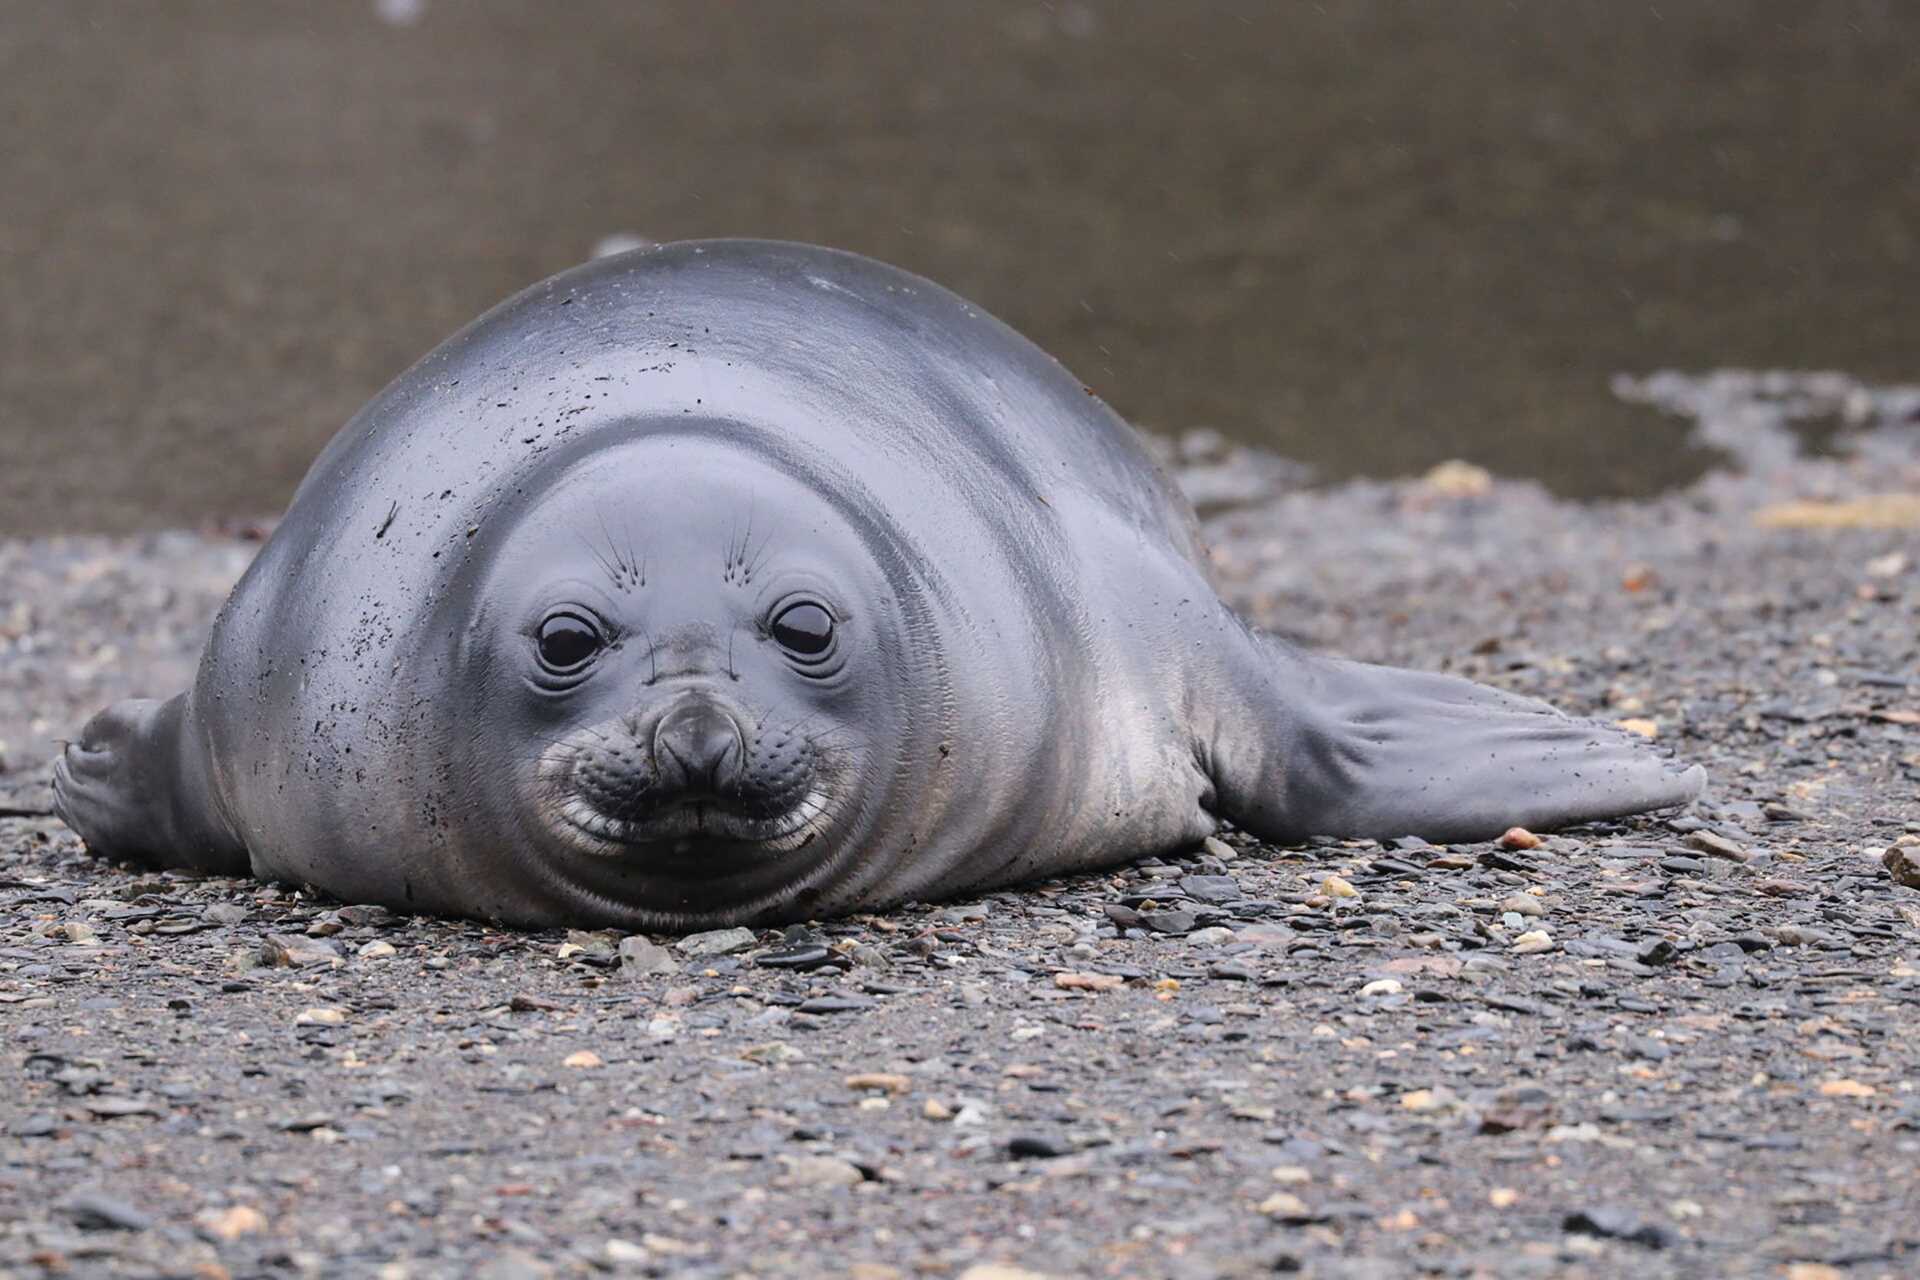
<point x="567" y="642"/>
<point x="804" y="629"/>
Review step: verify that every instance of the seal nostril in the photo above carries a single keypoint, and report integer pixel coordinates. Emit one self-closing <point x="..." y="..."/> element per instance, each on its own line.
<point x="702" y="744"/>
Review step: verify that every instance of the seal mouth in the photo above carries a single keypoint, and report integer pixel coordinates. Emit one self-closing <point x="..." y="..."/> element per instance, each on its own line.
<point x="688" y="815"/>
<point x="697" y="828"/>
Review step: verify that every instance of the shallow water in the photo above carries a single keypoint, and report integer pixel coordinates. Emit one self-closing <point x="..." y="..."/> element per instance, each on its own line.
<point x="1370" y="238"/>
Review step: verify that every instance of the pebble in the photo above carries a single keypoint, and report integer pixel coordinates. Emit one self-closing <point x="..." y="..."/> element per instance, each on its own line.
<point x="1381" y="987"/>
<point x="1715" y="845"/>
<point x="298" y="951"/>
<point x="715" y="942"/>
<point x="583" y="1060"/>
<point x="1519" y="838"/>
<point x="641" y="956"/>
<point x="1421" y="1101"/>
<point x="623" y="1253"/>
<point x="1169" y="921"/>
<point x="232" y="1222"/>
<point x="834" y="1004"/>
<point x="1524" y="904"/>
<point x="1215" y="889"/>
<point x="772" y="1051"/>
<point x="320" y="1016"/>
<point x="1655" y="952"/>
<point x="1903" y="865"/>
<point x="1088" y="981"/>
<point x="1616" y="1224"/>
<point x="1532" y="942"/>
<point x="1029" y="1146"/>
<point x="822" y="1171"/>
<point x="1218" y="848"/>
<point x="93" y="1210"/>
<point x="1846" y="1089"/>
<point x="1459" y="479"/>
<point x="1284" y="1204"/>
<point x="801" y="959"/>
<point x="581" y="942"/>
<point x="1212" y="936"/>
<point x="1336" y="887"/>
<point x="378" y="950"/>
<point x="1524" y="1107"/>
<point x="1779" y="888"/>
<point x="883" y="1081"/>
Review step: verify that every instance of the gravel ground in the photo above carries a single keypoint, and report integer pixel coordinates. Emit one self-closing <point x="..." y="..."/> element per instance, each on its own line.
<point x="1680" y="1046"/>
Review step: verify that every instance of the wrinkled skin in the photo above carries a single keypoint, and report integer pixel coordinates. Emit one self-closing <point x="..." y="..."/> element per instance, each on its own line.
<point x="741" y="582"/>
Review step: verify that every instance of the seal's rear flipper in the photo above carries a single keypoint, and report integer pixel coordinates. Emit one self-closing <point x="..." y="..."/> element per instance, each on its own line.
<point x="136" y="785"/>
<point x="1318" y="746"/>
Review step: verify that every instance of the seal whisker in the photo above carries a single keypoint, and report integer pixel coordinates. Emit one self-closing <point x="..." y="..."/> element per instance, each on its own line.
<point x="755" y="561"/>
<point x="838" y="756"/>
<point x="653" y="657"/>
<point x="837" y="738"/>
<point x="625" y="571"/>
<point x="605" y="566"/>
<point x="827" y="814"/>
<point x="840" y="753"/>
<point x="590" y="730"/>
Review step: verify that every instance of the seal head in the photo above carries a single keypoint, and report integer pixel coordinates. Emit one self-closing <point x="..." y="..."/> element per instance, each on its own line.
<point x="682" y="672"/>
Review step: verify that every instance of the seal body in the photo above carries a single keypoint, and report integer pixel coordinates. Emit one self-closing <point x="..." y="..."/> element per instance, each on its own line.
<point x="738" y="581"/>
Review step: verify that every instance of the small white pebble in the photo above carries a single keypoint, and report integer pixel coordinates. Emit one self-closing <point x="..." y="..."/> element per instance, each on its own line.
<point x="323" y="1016"/>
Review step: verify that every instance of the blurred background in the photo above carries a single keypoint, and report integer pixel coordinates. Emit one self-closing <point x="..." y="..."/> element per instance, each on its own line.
<point x="1370" y="236"/>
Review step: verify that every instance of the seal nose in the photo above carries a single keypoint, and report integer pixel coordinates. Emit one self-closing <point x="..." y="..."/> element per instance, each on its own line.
<point x="699" y="746"/>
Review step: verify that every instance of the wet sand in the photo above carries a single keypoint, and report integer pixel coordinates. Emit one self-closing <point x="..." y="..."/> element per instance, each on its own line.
<point x="1370" y="237"/>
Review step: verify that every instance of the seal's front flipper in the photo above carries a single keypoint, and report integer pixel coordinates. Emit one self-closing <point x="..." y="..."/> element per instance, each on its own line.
<point x="136" y="785"/>
<point x="1318" y="746"/>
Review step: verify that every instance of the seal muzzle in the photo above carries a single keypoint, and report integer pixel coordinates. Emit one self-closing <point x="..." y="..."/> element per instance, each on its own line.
<point x="698" y="746"/>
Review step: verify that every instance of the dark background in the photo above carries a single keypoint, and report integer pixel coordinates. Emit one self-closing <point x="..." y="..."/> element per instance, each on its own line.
<point x="1370" y="235"/>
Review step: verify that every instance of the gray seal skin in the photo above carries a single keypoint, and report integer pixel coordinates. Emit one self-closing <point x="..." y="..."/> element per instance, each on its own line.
<point x="736" y="581"/>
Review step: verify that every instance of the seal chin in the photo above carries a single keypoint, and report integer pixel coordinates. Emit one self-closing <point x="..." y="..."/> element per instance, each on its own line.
<point x="696" y="831"/>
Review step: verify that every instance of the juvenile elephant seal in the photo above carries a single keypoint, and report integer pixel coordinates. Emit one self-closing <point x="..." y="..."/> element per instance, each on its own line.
<point x="736" y="581"/>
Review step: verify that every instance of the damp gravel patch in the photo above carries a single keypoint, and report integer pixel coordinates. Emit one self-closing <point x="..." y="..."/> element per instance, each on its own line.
<point x="1683" y="1045"/>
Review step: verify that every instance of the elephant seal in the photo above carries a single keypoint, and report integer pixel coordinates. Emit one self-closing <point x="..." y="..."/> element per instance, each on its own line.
<point x="736" y="581"/>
